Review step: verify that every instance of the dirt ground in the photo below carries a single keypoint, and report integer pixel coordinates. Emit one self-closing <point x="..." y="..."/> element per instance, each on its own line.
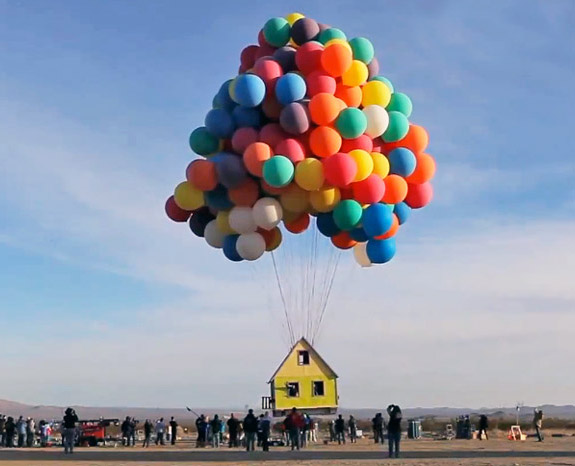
<point x="425" y="452"/>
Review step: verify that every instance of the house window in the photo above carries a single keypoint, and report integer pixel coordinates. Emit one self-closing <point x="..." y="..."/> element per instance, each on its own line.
<point x="303" y="358"/>
<point x="293" y="389"/>
<point x="318" y="389"/>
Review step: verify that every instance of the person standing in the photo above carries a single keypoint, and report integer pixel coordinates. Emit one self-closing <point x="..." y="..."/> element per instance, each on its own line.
<point x="21" y="429"/>
<point x="339" y="426"/>
<point x="9" y="432"/>
<point x="483" y="426"/>
<point x="216" y="426"/>
<point x="332" y="431"/>
<point x="30" y="431"/>
<point x="147" y="433"/>
<point x="125" y="428"/>
<point x="43" y="425"/>
<point x="265" y="427"/>
<point x="352" y="426"/>
<point x="69" y="432"/>
<point x="174" y="430"/>
<point x="394" y="429"/>
<point x="293" y="424"/>
<point x="251" y="429"/>
<point x="2" y="430"/>
<point x="160" y="431"/>
<point x="538" y="423"/>
<point x="377" y="424"/>
<point x="201" y="428"/>
<point x="233" y="431"/>
<point x="314" y="426"/>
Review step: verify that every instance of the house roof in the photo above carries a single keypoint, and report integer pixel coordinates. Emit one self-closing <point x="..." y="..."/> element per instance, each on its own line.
<point x="311" y="349"/>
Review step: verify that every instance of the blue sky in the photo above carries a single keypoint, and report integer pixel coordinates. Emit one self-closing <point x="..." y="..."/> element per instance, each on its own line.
<point x="97" y="101"/>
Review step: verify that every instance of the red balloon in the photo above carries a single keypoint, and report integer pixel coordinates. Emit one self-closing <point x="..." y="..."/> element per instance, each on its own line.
<point x="318" y="82"/>
<point x="292" y="149"/>
<point x="343" y="240"/>
<point x="339" y="169"/>
<point x="174" y="212"/>
<point x="265" y="51"/>
<point x="370" y="190"/>
<point x="363" y="142"/>
<point x="242" y="138"/>
<point x="308" y="57"/>
<point x="248" y="56"/>
<point x="246" y="194"/>
<point x="419" y="195"/>
<point x="299" y="225"/>
<point x="262" y="38"/>
<point x="201" y="173"/>
<point x="271" y="107"/>
<point x="269" y="70"/>
<point x="272" y="134"/>
<point x="346" y="193"/>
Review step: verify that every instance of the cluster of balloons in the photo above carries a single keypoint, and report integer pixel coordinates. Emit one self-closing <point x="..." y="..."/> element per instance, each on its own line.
<point x="307" y="131"/>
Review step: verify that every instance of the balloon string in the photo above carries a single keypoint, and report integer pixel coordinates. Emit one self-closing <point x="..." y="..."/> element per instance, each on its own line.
<point x="286" y="314"/>
<point x="328" y="294"/>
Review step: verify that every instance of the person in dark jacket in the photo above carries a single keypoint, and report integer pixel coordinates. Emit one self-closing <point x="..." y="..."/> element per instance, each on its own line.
<point x="483" y="426"/>
<point x="340" y="429"/>
<point x="9" y="431"/>
<point x="352" y="426"/>
<point x="2" y="430"/>
<point x="233" y="425"/>
<point x="394" y="429"/>
<point x="21" y="430"/>
<point x="265" y="428"/>
<point x="126" y="429"/>
<point x="148" y="427"/>
<point x="293" y="424"/>
<point x="174" y="426"/>
<point x="378" y="424"/>
<point x="251" y="429"/>
<point x="69" y="434"/>
<point x="201" y="426"/>
<point x="216" y="426"/>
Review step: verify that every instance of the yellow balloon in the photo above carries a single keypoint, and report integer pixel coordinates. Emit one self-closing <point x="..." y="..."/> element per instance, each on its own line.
<point x="375" y="93"/>
<point x="309" y="174"/>
<point x="356" y="74"/>
<point x="338" y="41"/>
<point x="325" y="199"/>
<point x="293" y="17"/>
<point x="364" y="163"/>
<point x="380" y="164"/>
<point x="223" y="222"/>
<point x="295" y="199"/>
<point x="187" y="197"/>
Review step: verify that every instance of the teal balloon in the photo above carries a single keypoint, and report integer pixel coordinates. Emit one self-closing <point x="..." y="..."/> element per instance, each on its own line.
<point x="362" y="49"/>
<point x="332" y="33"/>
<point x="400" y="102"/>
<point x="385" y="81"/>
<point x="397" y="128"/>
<point x="347" y="214"/>
<point x="277" y="32"/>
<point x="351" y="123"/>
<point x="203" y="142"/>
<point x="278" y="171"/>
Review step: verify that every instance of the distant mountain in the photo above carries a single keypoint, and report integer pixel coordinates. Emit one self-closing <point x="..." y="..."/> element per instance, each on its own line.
<point x="87" y="412"/>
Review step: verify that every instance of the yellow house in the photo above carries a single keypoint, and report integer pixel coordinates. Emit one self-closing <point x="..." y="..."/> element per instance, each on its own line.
<point x="304" y="381"/>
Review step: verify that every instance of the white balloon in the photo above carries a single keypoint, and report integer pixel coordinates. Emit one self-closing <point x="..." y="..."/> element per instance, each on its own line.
<point x="213" y="235"/>
<point x="360" y="254"/>
<point x="267" y="212"/>
<point x="241" y="219"/>
<point x="251" y="246"/>
<point x="377" y="120"/>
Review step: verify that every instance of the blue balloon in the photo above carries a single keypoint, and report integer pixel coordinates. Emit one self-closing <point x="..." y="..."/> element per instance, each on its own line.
<point x="402" y="210"/>
<point x="377" y="219"/>
<point x="290" y="88"/>
<point x="249" y="90"/>
<point x="401" y="162"/>
<point x="220" y="123"/>
<point x="326" y="224"/>
<point x="380" y="251"/>
<point x="230" y="250"/>
<point x="359" y="235"/>
<point x="218" y="199"/>
<point x="223" y="97"/>
<point x="247" y="117"/>
<point x="230" y="169"/>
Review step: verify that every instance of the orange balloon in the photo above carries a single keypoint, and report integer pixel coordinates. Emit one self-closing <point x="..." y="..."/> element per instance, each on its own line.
<point x="294" y="199"/>
<point x="416" y="140"/>
<point x="351" y="95"/>
<point x="272" y="190"/>
<point x="395" y="189"/>
<point x="272" y="237"/>
<point x="424" y="169"/>
<point x="343" y="240"/>
<point x="324" y="141"/>
<point x="246" y="194"/>
<point x="336" y="59"/>
<point x="324" y="108"/>
<point x="255" y="155"/>
<point x="202" y="174"/>
<point x="392" y="231"/>
<point x="299" y="225"/>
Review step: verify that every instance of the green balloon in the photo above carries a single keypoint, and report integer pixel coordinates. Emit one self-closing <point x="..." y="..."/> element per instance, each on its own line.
<point x="347" y="214"/>
<point x="277" y="32"/>
<point x="397" y="128"/>
<point x="332" y="33"/>
<point x="351" y="123"/>
<point x="400" y="103"/>
<point x="385" y="81"/>
<point x="278" y="171"/>
<point x="362" y="49"/>
<point x="203" y="142"/>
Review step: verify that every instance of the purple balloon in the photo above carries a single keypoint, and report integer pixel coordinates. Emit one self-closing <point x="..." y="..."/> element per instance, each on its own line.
<point x="373" y="68"/>
<point x="304" y="30"/>
<point x="285" y="56"/>
<point x="231" y="170"/>
<point x="294" y="118"/>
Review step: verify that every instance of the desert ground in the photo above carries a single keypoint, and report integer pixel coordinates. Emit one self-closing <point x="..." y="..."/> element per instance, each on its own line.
<point x="425" y="452"/>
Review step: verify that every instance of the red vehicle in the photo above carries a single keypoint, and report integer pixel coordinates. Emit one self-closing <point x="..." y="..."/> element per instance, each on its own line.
<point x="93" y="431"/>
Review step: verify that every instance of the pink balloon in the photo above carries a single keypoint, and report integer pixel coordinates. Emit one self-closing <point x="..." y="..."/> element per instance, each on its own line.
<point x="369" y="191"/>
<point x="242" y="138"/>
<point x="339" y="169"/>
<point x="419" y="195"/>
